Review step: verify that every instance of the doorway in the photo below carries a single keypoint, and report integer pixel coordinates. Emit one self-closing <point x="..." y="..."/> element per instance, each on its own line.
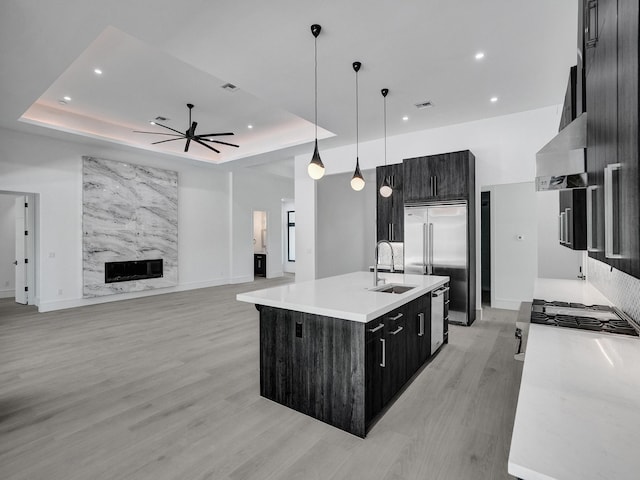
<point x="259" y="244"/>
<point x="18" y="239"/>
<point x="485" y="247"/>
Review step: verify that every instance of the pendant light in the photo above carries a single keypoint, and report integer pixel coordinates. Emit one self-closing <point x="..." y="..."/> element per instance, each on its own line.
<point x="357" y="182"/>
<point x="385" y="188"/>
<point x="316" y="167"/>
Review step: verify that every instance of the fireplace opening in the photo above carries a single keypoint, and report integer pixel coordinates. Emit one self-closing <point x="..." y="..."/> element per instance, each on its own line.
<point x="132" y="270"/>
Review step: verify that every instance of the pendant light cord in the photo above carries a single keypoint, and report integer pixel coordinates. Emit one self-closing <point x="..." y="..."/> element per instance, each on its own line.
<point x="385" y="131"/>
<point x="315" y="50"/>
<point x="357" y="117"/>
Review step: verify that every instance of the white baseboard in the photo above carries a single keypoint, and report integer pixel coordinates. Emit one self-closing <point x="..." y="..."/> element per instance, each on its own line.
<point x="10" y="293"/>
<point x="49" y="306"/>
<point x="242" y="279"/>
<point x="507" y="304"/>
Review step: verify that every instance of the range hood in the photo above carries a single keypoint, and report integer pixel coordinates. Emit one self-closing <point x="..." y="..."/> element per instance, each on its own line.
<point x="561" y="163"/>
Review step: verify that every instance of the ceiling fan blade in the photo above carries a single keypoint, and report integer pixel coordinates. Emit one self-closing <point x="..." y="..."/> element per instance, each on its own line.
<point x="205" y="145"/>
<point x="159" y="133"/>
<point x="218" y="141"/>
<point x="186" y="145"/>
<point x="170" y="140"/>
<point x="169" y="128"/>
<point x="216" y="134"/>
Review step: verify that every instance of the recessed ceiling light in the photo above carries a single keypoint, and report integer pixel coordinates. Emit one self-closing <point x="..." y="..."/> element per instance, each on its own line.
<point x="494" y="99"/>
<point x="405" y="118"/>
<point x="67" y="98"/>
<point x="249" y="127"/>
<point x="479" y="56"/>
<point x="97" y="71"/>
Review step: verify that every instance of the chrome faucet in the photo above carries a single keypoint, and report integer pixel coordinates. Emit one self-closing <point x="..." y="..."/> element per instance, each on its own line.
<point x="375" y="264"/>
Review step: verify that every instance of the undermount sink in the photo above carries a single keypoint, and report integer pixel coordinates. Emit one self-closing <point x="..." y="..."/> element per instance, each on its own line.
<point x="393" y="288"/>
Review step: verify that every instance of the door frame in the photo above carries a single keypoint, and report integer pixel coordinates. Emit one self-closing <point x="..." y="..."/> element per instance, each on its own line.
<point x="32" y="243"/>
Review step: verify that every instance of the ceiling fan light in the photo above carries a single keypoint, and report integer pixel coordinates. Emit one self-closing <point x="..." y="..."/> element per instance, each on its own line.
<point x="357" y="182"/>
<point x="385" y="188"/>
<point x="316" y="167"/>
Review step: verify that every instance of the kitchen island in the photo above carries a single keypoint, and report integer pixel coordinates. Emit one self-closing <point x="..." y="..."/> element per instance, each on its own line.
<point x="339" y="349"/>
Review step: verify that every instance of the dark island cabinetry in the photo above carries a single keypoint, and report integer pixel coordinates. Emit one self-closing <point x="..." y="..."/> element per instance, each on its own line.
<point x="339" y="371"/>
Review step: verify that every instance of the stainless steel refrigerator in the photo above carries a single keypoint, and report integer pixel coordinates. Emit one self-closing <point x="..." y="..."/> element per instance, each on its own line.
<point x="435" y="243"/>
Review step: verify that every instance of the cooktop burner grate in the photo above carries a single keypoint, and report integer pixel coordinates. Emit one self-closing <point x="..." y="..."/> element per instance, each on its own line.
<point x="582" y="321"/>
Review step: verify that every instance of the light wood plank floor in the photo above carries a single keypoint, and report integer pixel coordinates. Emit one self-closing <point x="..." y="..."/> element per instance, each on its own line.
<point x="166" y="387"/>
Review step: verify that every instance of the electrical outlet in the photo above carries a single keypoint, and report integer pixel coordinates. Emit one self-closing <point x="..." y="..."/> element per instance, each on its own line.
<point x="59" y="291"/>
<point x="52" y="254"/>
<point x="7" y="283"/>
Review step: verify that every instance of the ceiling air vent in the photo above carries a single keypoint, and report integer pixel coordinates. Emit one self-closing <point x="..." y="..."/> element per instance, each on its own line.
<point x="230" y="87"/>
<point x="422" y="105"/>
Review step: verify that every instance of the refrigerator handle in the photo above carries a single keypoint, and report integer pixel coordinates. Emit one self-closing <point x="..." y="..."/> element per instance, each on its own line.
<point x="425" y="249"/>
<point x="430" y="270"/>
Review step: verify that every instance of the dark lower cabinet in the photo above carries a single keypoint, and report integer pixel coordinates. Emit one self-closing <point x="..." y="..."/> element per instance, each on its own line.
<point x="395" y="362"/>
<point x="341" y="372"/>
<point x="260" y="264"/>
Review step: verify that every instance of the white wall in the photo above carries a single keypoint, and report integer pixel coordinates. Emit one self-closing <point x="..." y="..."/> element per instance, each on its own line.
<point x="554" y="261"/>
<point x="53" y="169"/>
<point x="7" y="245"/>
<point x="514" y="244"/>
<point x="504" y="148"/>
<point x="287" y="206"/>
<point x="347" y="239"/>
<point x="256" y="191"/>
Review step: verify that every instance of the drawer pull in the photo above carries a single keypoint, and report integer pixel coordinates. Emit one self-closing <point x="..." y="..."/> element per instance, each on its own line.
<point x="398" y="316"/>
<point x="396" y="331"/>
<point x="375" y="329"/>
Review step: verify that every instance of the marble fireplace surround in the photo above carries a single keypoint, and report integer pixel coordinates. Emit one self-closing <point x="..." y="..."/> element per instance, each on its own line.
<point x="129" y="212"/>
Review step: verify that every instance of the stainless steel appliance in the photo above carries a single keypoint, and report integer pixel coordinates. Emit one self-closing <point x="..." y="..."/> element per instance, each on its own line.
<point x="435" y="243"/>
<point x="437" y="318"/>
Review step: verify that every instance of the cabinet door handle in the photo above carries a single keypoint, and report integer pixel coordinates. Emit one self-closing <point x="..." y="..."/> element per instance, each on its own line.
<point x="431" y="186"/>
<point x="396" y="331"/>
<point x="435" y="186"/>
<point x="389" y="232"/>
<point x="612" y="247"/>
<point x="375" y="329"/>
<point x="393" y="233"/>
<point x="396" y="317"/>
<point x="421" y="318"/>
<point x="591" y="24"/>
<point x="384" y="353"/>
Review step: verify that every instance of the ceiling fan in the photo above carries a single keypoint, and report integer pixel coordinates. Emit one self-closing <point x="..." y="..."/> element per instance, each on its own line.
<point x="190" y="135"/>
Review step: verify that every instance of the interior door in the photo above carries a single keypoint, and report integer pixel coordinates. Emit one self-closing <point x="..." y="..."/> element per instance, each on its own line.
<point x="21" y="244"/>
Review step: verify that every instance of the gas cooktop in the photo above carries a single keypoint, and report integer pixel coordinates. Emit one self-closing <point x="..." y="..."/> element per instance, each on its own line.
<point x="597" y="318"/>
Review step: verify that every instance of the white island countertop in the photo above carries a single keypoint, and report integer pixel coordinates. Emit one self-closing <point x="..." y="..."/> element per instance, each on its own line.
<point x="344" y="296"/>
<point x="578" y="413"/>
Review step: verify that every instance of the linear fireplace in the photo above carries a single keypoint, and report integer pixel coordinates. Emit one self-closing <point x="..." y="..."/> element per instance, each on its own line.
<point x="132" y="270"/>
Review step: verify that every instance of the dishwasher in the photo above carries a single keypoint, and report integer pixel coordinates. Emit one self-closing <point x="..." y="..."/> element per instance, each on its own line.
<point x="438" y="299"/>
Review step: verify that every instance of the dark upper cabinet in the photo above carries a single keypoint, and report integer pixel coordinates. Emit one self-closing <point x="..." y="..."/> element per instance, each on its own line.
<point x="390" y="210"/>
<point x="573" y="218"/>
<point x="628" y="135"/>
<point x="439" y="177"/>
<point x="611" y="87"/>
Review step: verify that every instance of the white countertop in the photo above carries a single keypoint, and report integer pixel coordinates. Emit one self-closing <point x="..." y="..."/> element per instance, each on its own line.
<point x="344" y="296"/>
<point x="578" y="413"/>
<point x="578" y="291"/>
